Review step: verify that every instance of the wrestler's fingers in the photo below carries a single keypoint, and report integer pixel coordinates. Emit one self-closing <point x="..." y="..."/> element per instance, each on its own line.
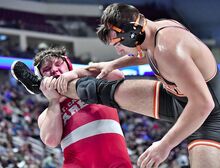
<point x="156" y="164"/>
<point x="93" y="66"/>
<point x="142" y="157"/>
<point x="102" y="74"/>
<point x="148" y="164"/>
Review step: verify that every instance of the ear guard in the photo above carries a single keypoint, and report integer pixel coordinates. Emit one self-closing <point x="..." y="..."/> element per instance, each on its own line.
<point x="132" y="34"/>
<point x="66" y="59"/>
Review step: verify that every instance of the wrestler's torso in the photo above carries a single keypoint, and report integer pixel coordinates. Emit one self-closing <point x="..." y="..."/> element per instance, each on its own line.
<point x="92" y="136"/>
<point x="190" y="45"/>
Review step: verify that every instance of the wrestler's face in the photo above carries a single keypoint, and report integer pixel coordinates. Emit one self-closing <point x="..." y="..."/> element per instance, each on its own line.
<point x="120" y="48"/>
<point x="53" y="66"/>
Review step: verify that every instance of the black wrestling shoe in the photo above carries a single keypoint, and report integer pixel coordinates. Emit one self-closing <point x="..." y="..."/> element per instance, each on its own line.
<point x="23" y="74"/>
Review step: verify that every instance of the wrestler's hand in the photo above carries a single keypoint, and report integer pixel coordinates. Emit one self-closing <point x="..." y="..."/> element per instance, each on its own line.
<point x="63" y="80"/>
<point x="48" y="88"/>
<point x="154" y="155"/>
<point x="104" y="67"/>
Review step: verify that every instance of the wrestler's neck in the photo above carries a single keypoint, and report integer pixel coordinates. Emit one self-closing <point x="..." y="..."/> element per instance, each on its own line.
<point x="150" y="31"/>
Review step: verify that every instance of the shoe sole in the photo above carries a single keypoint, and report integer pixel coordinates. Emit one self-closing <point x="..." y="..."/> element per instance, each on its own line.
<point x="13" y="74"/>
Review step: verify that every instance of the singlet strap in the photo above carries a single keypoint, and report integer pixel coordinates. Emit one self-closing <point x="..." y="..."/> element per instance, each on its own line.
<point x="152" y="61"/>
<point x="155" y="36"/>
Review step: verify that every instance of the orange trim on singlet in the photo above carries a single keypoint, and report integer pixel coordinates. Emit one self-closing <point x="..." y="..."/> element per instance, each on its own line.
<point x="176" y="93"/>
<point x="205" y="143"/>
<point x="156" y="100"/>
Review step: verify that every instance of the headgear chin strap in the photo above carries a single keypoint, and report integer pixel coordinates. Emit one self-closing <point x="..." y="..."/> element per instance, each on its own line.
<point x="66" y="59"/>
<point x="132" y="34"/>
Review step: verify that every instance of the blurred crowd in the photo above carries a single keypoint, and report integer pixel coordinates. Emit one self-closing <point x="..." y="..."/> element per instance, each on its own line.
<point x="141" y="131"/>
<point x="63" y="25"/>
<point x="13" y="50"/>
<point x="20" y="144"/>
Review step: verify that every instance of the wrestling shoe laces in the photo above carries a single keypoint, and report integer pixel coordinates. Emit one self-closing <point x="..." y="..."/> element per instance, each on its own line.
<point x="23" y="74"/>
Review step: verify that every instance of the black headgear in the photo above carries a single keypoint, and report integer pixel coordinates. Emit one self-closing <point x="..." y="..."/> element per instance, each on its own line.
<point x="132" y="34"/>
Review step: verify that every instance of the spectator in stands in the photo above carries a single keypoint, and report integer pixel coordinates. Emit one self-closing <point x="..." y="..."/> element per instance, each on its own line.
<point x="15" y="131"/>
<point x="49" y="161"/>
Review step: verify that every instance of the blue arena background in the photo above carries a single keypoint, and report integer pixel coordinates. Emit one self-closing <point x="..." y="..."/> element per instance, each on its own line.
<point x="141" y="70"/>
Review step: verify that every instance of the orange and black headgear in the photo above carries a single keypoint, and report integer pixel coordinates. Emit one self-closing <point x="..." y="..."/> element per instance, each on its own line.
<point x="131" y="34"/>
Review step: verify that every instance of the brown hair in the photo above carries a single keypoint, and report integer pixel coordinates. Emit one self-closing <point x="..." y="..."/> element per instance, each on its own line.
<point x="50" y="52"/>
<point x="118" y="15"/>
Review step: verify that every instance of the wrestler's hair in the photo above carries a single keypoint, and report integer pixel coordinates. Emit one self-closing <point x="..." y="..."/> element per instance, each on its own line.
<point x="118" y="15"/>
<point x="50" y="52"/>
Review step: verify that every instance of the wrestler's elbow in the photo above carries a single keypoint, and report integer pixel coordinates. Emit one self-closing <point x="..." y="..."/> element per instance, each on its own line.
<point x="210" y="105"/>
<point x="206" y="106"/>
<point x="50" y="141"/>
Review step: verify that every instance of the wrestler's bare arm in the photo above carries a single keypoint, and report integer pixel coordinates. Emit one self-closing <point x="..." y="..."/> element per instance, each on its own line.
<point x="50" y="120"/>
<point x="106" y="67"/>
<point x="178" y="65"/>
<point x="50" y="124"/>
<point x="114" y="75"/>
<point x="65" y="78"/>
<point x="81" y="72"/>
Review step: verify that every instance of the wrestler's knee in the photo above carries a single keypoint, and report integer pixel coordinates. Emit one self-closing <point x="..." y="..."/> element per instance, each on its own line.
<point x="204" y="156"/>
<point x="97" y="91"/>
